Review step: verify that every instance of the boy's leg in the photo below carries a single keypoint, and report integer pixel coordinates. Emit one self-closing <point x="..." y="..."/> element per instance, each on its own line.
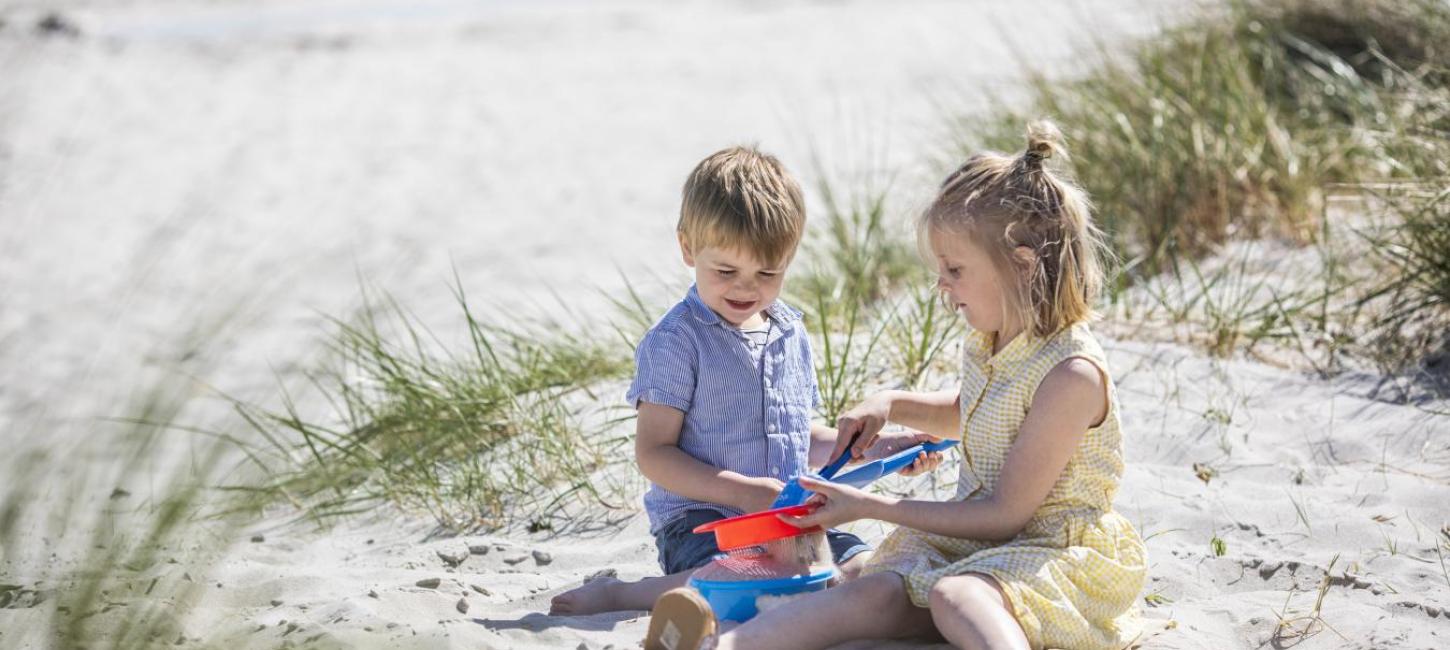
<point x="849" y="552"/>
<point x="607" y="594"/>
<point x="851" y="569"/>
<point x="972" y="612"/>
<point x="872" y="607"/>
<point x="681" y="551"/>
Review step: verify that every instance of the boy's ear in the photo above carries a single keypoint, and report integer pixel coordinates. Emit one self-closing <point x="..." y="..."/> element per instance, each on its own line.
<point x="685" y="251"/>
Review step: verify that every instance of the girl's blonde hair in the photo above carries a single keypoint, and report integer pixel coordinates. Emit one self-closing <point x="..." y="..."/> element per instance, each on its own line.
<point x="1013" y="205"/>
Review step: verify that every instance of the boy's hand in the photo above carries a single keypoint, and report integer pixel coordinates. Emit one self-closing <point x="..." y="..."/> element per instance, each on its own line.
<point x="760" y="494"/>
<point x="890" y="443"/>
<point x="865" y="418"/>
<point x="835" y="504"/>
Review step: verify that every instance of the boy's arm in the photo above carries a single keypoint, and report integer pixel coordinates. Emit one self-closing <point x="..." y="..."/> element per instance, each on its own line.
<point x="660" y="459"/>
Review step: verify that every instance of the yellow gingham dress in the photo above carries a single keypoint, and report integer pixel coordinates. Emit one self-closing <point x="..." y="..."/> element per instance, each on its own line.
<point x="1074" y="573"/>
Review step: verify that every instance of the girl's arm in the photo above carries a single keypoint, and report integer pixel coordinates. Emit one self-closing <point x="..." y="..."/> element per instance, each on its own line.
<point x="657" y="451"/>
<point x="1069" y="401"/>
<point x="823" y="442"/>
<point x="936" y="414"/>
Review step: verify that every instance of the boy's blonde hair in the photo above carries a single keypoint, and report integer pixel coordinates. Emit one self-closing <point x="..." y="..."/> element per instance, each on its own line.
<point x="1010" y="205"/>
<point x="741" y="198"/>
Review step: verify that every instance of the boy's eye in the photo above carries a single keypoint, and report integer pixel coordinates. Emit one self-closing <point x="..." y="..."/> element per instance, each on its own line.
<point x="954" y="271"/>
<point x="726" y="272"/>
<point x="768" y="274"/>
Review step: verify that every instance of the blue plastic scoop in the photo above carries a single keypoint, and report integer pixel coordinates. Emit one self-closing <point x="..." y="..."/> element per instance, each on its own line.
<point x="865" y="474"/>
<point x="795" y="494"/>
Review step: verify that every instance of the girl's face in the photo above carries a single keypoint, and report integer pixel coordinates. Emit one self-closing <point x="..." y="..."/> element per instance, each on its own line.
<point x="733" y="283"/>
<point x="971" y="282"/>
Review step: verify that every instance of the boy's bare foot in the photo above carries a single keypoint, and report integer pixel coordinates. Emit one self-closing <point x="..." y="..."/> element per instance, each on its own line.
<point x="596" y="595"/>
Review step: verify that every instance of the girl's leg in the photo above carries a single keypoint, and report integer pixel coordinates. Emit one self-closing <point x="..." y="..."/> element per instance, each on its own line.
<point x="971" y="611"/>
<point x="612" y="594"/>
<point x="872" y="607"/>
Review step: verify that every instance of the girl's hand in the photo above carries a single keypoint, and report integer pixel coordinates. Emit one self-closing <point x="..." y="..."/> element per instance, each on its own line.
<point x="890" y="443"/>
<point x="865" y="418"/>
<point x="836" y="504"/>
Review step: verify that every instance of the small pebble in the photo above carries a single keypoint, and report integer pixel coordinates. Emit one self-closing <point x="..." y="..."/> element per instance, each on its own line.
<point x="478" y="549"/>
<point x="372" y="593"/>
<point x="276" y="603"/>
<point x="258" y="539"/>
<point x="481" y="590"/>
<point x="462" y="605"/>
<point x="515" y="559"/>
<point x="542" y="558"/>
<point x="452" y="559"/>
<point x="429" y="583"/>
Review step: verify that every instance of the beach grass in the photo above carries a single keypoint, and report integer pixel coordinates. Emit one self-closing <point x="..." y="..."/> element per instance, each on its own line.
<point x="1241" y="123"/>
<point x="103" y="566"/>
<point x="490" y="432"/>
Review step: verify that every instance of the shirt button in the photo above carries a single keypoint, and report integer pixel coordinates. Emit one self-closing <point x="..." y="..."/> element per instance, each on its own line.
<point x="770" y="428"/>
<point x="774" y="470"/>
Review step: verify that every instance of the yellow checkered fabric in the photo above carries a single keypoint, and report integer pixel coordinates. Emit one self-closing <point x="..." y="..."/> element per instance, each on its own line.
<point x="1073" y="575"/>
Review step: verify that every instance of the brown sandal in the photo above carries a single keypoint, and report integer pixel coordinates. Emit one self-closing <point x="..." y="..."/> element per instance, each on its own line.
<point x="682" y="620"/>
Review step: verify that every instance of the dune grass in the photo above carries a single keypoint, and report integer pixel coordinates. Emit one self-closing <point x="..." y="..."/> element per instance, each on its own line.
<point x="91" y="564"/>
<point x="1239" y="124"/>
<point x="495" y="434"/>
<point x="868" y="296"/>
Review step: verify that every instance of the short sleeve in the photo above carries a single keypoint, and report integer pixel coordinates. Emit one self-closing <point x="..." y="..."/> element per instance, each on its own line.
<point x="665" y="363"/>
<point x="810" y="359"/>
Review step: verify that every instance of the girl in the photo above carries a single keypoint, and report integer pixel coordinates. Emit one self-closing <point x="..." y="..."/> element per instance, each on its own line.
<point x="1029" y="554"/>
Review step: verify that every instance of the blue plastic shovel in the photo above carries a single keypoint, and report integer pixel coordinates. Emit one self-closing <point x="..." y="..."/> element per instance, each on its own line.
<point x="795" y="494"/>
<point x="865" y="474"/>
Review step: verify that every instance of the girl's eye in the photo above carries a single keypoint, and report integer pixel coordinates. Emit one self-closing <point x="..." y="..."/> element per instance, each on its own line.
<point x="954" y="271"/>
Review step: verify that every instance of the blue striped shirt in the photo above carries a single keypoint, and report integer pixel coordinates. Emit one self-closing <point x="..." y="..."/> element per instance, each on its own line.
<point x="748" y="415"/>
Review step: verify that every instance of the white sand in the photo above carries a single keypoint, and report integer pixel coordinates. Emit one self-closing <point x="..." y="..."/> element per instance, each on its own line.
<point x="185" y="164"/>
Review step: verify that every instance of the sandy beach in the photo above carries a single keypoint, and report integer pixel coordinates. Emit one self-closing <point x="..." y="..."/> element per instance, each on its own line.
<point x="194" y="188"/>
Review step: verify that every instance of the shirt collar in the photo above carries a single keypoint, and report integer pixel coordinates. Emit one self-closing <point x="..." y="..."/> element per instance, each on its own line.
<point x="784" y="315"/>
<point x="1019" y="348"/>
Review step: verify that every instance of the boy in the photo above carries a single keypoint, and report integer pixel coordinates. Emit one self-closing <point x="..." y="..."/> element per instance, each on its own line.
<point x="724" y="383"/>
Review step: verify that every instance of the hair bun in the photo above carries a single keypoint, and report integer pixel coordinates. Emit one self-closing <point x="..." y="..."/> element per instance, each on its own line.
<point x="1044" y="141"/>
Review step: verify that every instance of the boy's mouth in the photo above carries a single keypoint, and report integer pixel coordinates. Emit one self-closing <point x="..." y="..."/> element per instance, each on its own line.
<point x="741" y="305"/>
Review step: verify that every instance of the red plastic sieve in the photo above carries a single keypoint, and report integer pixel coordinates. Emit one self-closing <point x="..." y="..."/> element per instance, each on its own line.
<point x="757" y="528"/>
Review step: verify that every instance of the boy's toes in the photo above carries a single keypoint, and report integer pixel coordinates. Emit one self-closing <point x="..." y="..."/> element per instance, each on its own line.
<point x="592" y="597"/>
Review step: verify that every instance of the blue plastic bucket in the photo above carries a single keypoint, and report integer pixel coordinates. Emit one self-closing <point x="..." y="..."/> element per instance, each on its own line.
<point x="734" y="600"/>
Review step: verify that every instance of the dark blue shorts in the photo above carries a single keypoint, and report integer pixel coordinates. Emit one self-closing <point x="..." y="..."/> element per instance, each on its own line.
<point x="682" y="550"/>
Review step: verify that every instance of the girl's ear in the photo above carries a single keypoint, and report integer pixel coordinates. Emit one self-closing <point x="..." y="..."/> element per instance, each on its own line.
<point x="685" y="251"/>
<point x="1025" y="258"/>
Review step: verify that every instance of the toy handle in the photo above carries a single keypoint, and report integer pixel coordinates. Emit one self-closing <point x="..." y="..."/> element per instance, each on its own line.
<point x="901" y="459"/>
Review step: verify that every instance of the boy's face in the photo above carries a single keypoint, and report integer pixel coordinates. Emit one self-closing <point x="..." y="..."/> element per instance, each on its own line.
<point x="733" y="283"/>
